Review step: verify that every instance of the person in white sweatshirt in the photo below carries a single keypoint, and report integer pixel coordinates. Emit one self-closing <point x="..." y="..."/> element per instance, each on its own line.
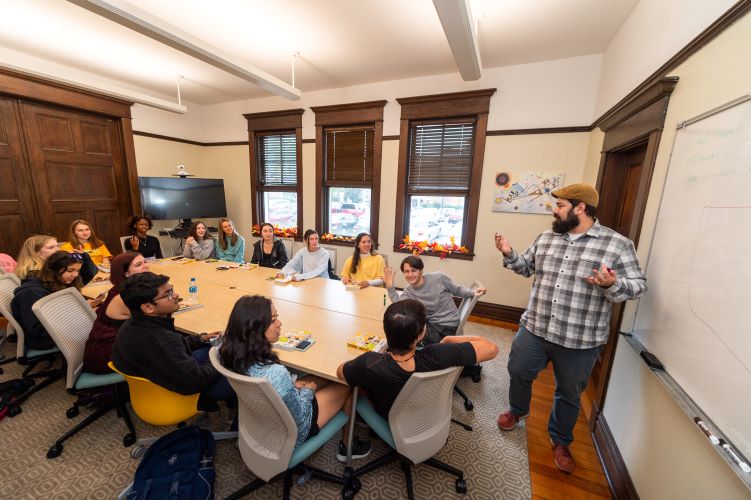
<point x="310" y="262"/>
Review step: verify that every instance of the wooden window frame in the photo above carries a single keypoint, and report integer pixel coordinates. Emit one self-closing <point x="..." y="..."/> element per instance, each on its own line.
<point x="368" y="113"/>
<point x="442" y="107"/>
<point x="289" y="120"/>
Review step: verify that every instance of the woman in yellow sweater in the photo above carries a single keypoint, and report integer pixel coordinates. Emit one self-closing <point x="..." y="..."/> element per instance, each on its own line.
<point x="366" y="266"/>
<point x="83" y="239"/>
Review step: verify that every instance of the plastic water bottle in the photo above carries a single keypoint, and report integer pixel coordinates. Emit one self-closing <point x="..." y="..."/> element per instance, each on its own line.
<point x="193" y="291"/>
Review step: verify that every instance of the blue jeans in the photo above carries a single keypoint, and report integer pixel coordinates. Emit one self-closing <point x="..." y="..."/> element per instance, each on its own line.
<point x="529" y="355"/>
<point x="219" y="390"/>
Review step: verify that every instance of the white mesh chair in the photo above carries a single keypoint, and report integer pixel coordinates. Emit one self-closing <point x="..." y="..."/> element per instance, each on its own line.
<point x="68" y="319"/>
<point x="418" y="425"/>
<point x="268" y="432"/>
<point x="465" y="309"/>
<point x="29" y="358"/>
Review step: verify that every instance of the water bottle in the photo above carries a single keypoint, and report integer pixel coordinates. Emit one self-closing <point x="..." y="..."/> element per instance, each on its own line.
<point x="193" y="291"/>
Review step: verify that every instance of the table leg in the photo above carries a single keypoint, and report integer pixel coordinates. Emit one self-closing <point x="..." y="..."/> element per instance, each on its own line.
<point x="351" y="430"/>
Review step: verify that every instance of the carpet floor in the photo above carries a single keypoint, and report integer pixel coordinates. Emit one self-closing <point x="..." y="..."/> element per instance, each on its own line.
<point x="95" y="464"/>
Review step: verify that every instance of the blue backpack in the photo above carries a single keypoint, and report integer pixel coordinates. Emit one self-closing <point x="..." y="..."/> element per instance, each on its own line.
<point x="178" y="465"/>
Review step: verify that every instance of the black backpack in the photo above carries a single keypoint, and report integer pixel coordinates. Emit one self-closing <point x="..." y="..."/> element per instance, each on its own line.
<point x="9" y="391"/>
<point x="178" y="465"/>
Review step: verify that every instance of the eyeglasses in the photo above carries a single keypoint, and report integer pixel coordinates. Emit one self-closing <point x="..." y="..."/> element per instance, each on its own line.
<point x="170" y="293"/>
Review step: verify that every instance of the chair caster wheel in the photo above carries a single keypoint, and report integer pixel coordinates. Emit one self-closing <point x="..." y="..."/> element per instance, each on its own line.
<point x="14" y="410"/>
<point x="461" y="486"/>
<point x="351" y="489"/>
<point x="138" y="452"/>
<point x="72" y="412"/>
<point x="55" y="451"/>
<point x="469" y="406"/>
<point x="129" y="440"/>
<point x="476" y="378"/>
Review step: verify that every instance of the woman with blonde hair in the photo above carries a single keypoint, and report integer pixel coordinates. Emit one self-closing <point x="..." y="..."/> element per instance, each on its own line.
<point x="82" y="238"/>
<point x="231" y="245"/>
<point x="34" y="252"/>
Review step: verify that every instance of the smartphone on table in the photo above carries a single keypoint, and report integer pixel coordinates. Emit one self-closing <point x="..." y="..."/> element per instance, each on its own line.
<point x="304" y="345"/>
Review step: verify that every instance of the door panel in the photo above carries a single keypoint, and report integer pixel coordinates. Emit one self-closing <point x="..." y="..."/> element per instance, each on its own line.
<point x="77" y="166"/>
<point x="17" y="210"/>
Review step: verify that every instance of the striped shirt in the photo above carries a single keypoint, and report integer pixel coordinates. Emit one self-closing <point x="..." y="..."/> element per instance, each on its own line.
<point x="563" y="308"/>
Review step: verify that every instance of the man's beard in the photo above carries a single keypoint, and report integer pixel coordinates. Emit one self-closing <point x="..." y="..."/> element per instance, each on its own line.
<point x="564" y="226"/>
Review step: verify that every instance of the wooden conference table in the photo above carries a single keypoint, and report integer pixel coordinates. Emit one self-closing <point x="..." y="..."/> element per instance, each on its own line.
<point x="325" y="308"/>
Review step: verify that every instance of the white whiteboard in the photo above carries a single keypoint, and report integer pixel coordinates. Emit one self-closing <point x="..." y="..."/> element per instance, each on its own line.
<point x="696" y="316"/>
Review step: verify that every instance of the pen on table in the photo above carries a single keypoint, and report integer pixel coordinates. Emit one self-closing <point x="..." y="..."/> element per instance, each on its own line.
<point x="743" y="465"/>
<point x="706" y="430"/>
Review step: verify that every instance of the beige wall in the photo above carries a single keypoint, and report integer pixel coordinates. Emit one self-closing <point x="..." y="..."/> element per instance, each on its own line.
<point x="665" y="454"/>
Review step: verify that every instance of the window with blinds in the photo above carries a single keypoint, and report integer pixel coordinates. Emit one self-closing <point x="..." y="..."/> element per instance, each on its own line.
<point x="440" y="157"/>
<point x="276" y="168"/>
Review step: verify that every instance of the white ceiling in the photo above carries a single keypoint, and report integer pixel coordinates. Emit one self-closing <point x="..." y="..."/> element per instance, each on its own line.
<point x="340" y="42"/>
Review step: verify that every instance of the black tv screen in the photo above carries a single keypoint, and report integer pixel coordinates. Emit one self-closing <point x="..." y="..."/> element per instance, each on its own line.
<point x="182" y="198"/>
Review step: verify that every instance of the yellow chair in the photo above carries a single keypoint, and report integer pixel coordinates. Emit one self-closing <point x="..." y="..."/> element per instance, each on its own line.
<point x="156" y="405"/>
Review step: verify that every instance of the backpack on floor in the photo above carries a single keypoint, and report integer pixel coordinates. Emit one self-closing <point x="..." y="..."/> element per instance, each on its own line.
<point x="178" y="465"/>
<point x="9" y="391"/>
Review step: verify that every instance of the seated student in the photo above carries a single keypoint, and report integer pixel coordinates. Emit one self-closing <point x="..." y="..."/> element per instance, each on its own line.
<point x="111" y="314"/>
<point x="436" y="291"/>
<point x="199" y="244"/>
<point x="34" y="251"/>
<point x="310" y="262"/>
<point x="82" y="238"/>
<point x="246" y="349"/>
<point x="140" y="242"/>
<point x="383" y="375"/>
<point x="147" y="344"/>
<point x="231" y="245"/>
<point x="269" y="251"/>
<point x="58" y="272"/>
<point x="366" y="266"/>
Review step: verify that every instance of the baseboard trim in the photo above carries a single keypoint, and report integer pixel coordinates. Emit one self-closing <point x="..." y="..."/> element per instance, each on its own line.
<point x="498" y="312"/>
<point x="619" y="480"/>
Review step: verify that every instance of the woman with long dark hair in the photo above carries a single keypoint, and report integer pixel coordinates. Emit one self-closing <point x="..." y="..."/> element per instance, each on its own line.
<point x="366" y="266"/>
<point x="269" y="251"/>
<point x="199" y="244"/>
<point x="246" y="349"/>
<point x="111" y="314"/>
<point x="140" y="242"/>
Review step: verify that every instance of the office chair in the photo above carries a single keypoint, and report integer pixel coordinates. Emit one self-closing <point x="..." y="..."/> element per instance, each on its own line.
<point x="417" y="427"/>
<point x="68" y="319"/>
<point x="465" y="309"/>
<point x="29" y="358"/>
<point x="156" y="405"/>
<point x="268" y="433"/>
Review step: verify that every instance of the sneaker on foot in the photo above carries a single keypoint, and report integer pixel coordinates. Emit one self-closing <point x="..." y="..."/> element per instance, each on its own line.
<point x="360" y="449"/>
<point x="507" y="420"/>
<point x="563" y="458"/>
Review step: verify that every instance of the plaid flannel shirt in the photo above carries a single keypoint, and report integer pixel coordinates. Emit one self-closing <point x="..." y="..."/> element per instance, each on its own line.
<point x="563" y="308"/>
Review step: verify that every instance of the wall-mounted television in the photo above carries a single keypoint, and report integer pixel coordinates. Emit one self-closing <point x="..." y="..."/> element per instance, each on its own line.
<point x="182" y="197"/>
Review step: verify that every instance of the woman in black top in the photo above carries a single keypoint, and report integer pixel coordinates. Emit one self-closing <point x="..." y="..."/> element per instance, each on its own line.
<point x="269" y="251"/>
<point x="140" y="242"/>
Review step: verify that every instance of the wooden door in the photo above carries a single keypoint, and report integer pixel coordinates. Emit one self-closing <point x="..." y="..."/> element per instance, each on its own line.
<point x="77" y="165"/>
<point x="18" y="216"/>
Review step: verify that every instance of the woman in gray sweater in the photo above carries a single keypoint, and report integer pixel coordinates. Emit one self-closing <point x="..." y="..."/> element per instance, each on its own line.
<point x="436" y="291"/>
<point x="199" y="244"/>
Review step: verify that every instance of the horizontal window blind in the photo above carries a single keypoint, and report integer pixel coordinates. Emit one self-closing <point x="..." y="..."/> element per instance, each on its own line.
<point x="276" y="158"/>
<point x="349" y="157"/>
<point x="440" y="156"/>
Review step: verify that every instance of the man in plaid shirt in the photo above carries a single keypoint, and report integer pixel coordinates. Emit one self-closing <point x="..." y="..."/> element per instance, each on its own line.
<point x="580" y="268"/>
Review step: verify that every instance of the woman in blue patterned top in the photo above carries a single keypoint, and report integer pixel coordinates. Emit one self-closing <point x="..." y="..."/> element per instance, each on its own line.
<point x="246" y="348"/>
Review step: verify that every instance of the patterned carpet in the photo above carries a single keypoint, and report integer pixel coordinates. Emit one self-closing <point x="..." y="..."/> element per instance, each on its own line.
<point x="95" y="464"/>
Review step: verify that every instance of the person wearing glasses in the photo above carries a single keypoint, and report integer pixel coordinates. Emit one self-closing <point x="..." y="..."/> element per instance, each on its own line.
<point x="148" y="345"/>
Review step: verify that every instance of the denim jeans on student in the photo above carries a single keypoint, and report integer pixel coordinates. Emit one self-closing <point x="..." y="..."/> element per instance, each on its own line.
<point x="219" y="390"/>
<point x="529" y="355"/>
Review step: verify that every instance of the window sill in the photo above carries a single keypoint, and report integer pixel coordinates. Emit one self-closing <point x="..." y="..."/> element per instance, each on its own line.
<point x="350" y="244"/>
<point x="458" y="256"/>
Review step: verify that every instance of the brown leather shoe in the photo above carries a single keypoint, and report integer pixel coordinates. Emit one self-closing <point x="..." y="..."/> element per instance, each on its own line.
<point x="507" y="420"/>
<point x="563" y="458"/>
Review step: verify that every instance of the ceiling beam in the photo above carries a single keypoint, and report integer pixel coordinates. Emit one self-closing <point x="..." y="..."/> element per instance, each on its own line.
<point x="461" y="33"/>
<point x="157" y="29"/>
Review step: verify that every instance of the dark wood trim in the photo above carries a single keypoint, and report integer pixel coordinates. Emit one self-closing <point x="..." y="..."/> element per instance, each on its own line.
<point x="369" y="112"/>
<point x="309" y="141"/>
<point x="18" y="84"/>
<point x="131" y="170"/>
<point x="276" y="121"/>
<point x="168" y="138"/>
<point x="736" y="12"/>
<point x="228" y="143"/>
<point x="660" y="89"/>
<point x="474" y="103"/>
<point x="457" y="256"/>
<point x="390" y="137"/>
<point x="546" y="130"/>
<point x="620" y="482"/>
<point x="498" y="312"/>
